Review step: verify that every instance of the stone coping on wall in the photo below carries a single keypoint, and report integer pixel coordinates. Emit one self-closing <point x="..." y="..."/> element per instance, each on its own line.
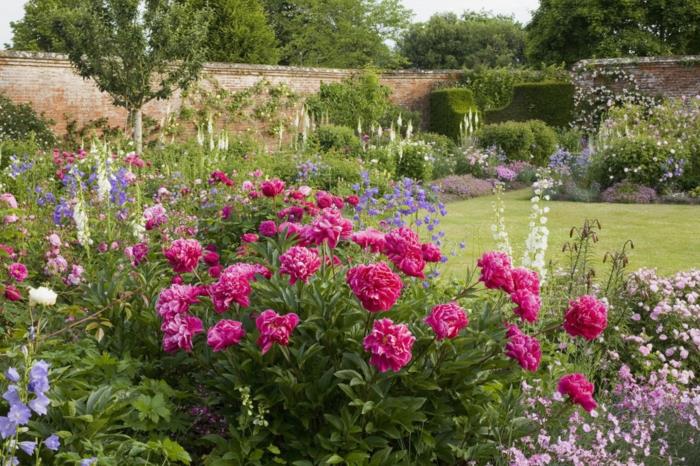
<point x="668" y="60"/>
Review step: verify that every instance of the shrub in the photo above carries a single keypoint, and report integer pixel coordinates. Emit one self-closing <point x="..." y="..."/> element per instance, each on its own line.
<point x="20" y="121"/>
<point x="447" y="110"/>
<point x="550" y="102"/>
<point x="570" y="139"/>
<point x="464" y="186"/>
<point x="514" y="138"/>
<point x="636" y="159"/>
<point x="336" y="138"/>
<point x="626" y="192"/>
<point x="414" y="161"/>
<point x="443" y="152"/>
<point x="545" y="141"/>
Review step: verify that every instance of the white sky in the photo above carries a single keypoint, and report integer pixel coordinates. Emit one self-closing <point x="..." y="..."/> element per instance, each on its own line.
<point x="12" y="10"/>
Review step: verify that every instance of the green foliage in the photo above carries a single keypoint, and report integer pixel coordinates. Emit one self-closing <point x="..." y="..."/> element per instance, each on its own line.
<point x="414" y="161"/>
<point x="633" y="159"/>
<point x="447" y="110"/>
<point x="570" y="139"/>
<point x="239" y="32"/>
<point x="336" y="138"/>
<point x="532" y="141"/>
<point x="568" y="30"/>
<point x="40" y="28"/>
<point x="337" y="33"/>
<point x="493" y="87"/>
<point x="443" y="151"/>
<point x="550" y="102"/>
<point x="545" y="142"/>
<point x="448" y="41"/>
<point x="20" y="122"/>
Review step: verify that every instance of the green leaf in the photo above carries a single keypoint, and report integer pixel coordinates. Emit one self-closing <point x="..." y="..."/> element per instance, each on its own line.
<point x="335" y="459"/>
<point x="175" y="452"/>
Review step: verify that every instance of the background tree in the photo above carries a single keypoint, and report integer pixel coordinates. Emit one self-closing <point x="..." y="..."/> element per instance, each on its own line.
<point x="239" y="32"/>
<point x="39" y="29"/>
<point x="337" y="33"/>
<point x="471" y="40"/>
<point x="137" y="50"/>
<point x="570" y="30"/>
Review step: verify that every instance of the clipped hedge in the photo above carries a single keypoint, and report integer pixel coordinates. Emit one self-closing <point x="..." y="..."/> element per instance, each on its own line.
<point x="532" y="141"/>
<point x="447" y="109"/>
<point x="336" y="138"/>
<point x="551" y="102"/>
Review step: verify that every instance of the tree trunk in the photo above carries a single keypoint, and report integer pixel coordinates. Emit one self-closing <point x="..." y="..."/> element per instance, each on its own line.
<point x="137" y="120"/>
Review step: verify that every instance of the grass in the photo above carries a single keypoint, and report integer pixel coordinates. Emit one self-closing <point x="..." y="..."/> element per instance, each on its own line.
<point x="665" y="237"/>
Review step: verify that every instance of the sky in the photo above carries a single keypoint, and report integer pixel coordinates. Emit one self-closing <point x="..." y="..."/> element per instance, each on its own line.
<point x="12" y="10"/>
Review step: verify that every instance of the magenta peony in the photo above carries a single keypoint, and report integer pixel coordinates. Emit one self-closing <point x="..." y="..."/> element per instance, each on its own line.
<point x="389" y="344"/>
<point x="136" y="253"/>
<point x="579" y="389"/>
<point x="179" y="331"/>
<point x="299" y="263"/>
<point x="184" y="254"/>
<point x="233" y="286"/>
<point x="431" y="252"/>
<point x="403" y="248"/>
<point x="496" y="271"/>
<point x="528" y="304"/>
<point x="224" y="334"/>
<point x="155" y="216"/>
<point x="176" y="299"/>
<point x="268" y="228"/>
<point x="586" y="317"/>
<point x="272" y="188"/>
<point x="370" y="239"/>
<point x="525" y="279"/>
<point x="447" y="320"/>
<point x="375" y="285"/>
<point x="12" y="293"/>
<point x="523" y="348"/>
<point x="329" y="226"/>
<point x="275" y="328"/>
<point x="211" y="258"/>
<point x="17" y="271"/>
<point x="249" y="238"/>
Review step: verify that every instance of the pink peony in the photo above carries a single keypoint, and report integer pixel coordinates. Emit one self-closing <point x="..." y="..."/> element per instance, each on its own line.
<point x="523" y="348"/>
<point x="215" y="271"/>
<point x="579" y="389"/>
<point x="299" y="263"/>
<point x="12" y="293"/>
<point x="375" y="285"/>
<point x="224" y="334"/>
<point x="289" y="229"/>
<point x="176" y="299"/>
<point x="353" y="200"/>
<point x="268" y="228"/>
<point x="370" y="239"/>
<point x="496" y="271"/>
<point x="389" y="344"/>
<point x="431" y="252"/>
<point x="179" y="331"/>
<point x="184" y="254"/>
<point x="586" y="317"/>
<point x="528" y="304"/>
<point x="76" y="275"/>
<point x="155" y="216"/>
<point x="250" y="270"/>
<point x="403" y="248"/>
<point x="447" y="320"/>
<point x="226" y="212"/>
<point x="211" y="258"/>
<point x="249" y="238"/>
<point x="323" y="200"/>
<point x="136" y="253"/>
<point x="9" y="199"/>
<point x="275" y="328"/>
<point x="525" y="279"/>
<point x="272" y="188"/>
<point x="233" y="286"/>
<point x="17" y="271"/>
<point x="330" y="226"/>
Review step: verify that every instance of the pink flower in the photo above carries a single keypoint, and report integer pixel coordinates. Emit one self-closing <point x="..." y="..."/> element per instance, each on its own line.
<point x="215" y="271"/>
<point x="586" y="317"/>
<point x="431" y="252"/>
<point x="403" y="248"/>
<point x="184" y="254"/>
<point x="54" y="240"/>
<point x="224" y="334"/>
<point x="136" y="253"/>
<point x="525" y="279"/>
<point x="496" y="271"/>
<point x="323" y="200"/>
<point x="370" y="239"/>
<point x="250" y="270"/>
<point x="226" y="212"/>
<point x="134" y="160"/>
<point x="375" y="285"/>
<point x="9" y="199"/>
<point x="353" y="200"/>
<point x="528" y="304"/>
<point x="11" y="219"/>
<point x="249" y="238"/>
<point x="272" y="188"/>
<point x="75" y="276"/>
<point x="275" y="328"/>
<point x="217" y="176"/>
<point x="233" y="286"/>
<point x="211" y="258"/>
<point x="289" y="229"/>
<point x="389" y="344"/>
<point x="329" y="225"/>
<point x="155" y="216"/>
<point x="12" y="293"/>
<point x="176" y="299"/>
<point x="179" y="331"/>
<point x="268" y="228"/>
<point x="523" y="348"/>
<point x="447" y="320"/>
<point x="299" y="263"/>
<point x="17" y="271"/>
<point x="579" y="389"/>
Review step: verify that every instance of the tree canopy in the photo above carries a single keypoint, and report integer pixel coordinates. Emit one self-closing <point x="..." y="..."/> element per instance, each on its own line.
<point x="473" y="39"/>
<point x="40" y="28"/>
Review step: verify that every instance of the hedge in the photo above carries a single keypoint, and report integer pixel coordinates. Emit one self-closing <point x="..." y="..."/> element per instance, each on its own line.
<point x="447" y="110"/>
<point x="550" y="102"/>
<point x="532" y="141"/>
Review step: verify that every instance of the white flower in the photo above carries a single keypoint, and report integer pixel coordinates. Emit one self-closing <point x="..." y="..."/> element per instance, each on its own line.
<point x="42" y="295"/>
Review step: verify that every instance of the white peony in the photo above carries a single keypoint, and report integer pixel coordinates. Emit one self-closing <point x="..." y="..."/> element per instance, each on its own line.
<point x="42" y="295"/>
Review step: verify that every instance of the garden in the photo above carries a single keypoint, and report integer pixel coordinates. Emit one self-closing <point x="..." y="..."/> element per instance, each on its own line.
<point x="515" y="281"/>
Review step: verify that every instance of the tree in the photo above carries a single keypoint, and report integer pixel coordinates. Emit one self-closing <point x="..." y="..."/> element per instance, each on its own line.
<point x="39" y="29"/>
<point x="137" y="50"/>
<point x="337" y="33"/>
<point x="570" y="30"/>
<point x="472" y="40"/>
<point x="239" y="32"/>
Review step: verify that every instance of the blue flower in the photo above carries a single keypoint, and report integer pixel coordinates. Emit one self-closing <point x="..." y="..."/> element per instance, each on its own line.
<point x="52" y="442"/>
<point x="27" y="446"/>
<point x="40" y="404"/>
<point x="12" y="375"/>
<point x="19" y="414"/>
<point x="88" y="461"/>
<point x="7" y="427"/>
<point x="39" y="377"/>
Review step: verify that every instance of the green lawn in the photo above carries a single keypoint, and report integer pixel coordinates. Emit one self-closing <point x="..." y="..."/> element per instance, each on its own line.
<point x="665" y="236"/>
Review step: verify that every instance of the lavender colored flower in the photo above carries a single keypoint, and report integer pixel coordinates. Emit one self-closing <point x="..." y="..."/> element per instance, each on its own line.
<point x="12" y="375"/>
<point x="52" y="442"/>
<point x="27" y="446"/>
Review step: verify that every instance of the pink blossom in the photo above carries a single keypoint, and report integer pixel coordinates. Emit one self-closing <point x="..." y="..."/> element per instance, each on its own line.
<point x="528" y="304"/>
<point x="370" y="239"/>
<point x="17" y="271"/>
<point x="403" y="248"/>
<point x="12" y="293"/>
<point x="224" y="334"/>
<point x="211" y="258"/>
<point x="353" y="200"/>
<point x="12" y="218"/>
<point x="184" y="255"/>
<point x="9" y="199"/>
<point x="272" y="188"/>
<point x="299" y="263"/>
<point x="177" y="299"/>
<point x="233" y="286"/>
<point x="249" y="238"/>
<point x="76" y="275"/>
<point x="586" y="317"/>
<point x="54" y="240"/>
<point x="178" y="332"/>
<point x="323" y="200"/>
<point x="389" y="344"/>
<point x="447" y="320"/>
<point x="155" y="216"/>
<point x="136" y="253"/>
<point x="226" y="212"/>
<point x="431" y="252"/>
<point x="268" y="228"/>
<point x="329" y="226"/>
<point x="523" y="348"/>
<point x="579" y="389"/>
<point x="289" y="229"/>
<point x="375" y="285"/>
<point x="275" y="328"/>
<point x="525" y="279"/>
<point x="496" y="271"/>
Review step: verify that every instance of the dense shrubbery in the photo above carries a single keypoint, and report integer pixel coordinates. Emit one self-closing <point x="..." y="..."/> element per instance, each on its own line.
<point x="550" y="102"/>
<point x="336" y="138"/>
<point x="530" y="141"/>
<point x="448" y="108"/>
<point x="19" y="122"/>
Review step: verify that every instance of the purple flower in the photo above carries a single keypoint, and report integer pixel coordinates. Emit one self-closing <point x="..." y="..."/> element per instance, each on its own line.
<point x="12" y="375"/>
<point x="7" y="427"/>
<point x="40" y="404"/>
<point x="19" y="414"/>
<point x="52" y="442"/>
<point x="39" y="377"/>
<point x="27" y="446"/>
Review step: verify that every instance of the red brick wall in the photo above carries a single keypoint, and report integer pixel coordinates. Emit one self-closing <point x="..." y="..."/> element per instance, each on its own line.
<point x="655" y="76"/>
<point x="51" y="86"/>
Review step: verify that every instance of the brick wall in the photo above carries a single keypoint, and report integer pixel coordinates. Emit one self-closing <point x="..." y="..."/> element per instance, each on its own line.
<point x="656" y="76"/>
<point x="51" y="86"/>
